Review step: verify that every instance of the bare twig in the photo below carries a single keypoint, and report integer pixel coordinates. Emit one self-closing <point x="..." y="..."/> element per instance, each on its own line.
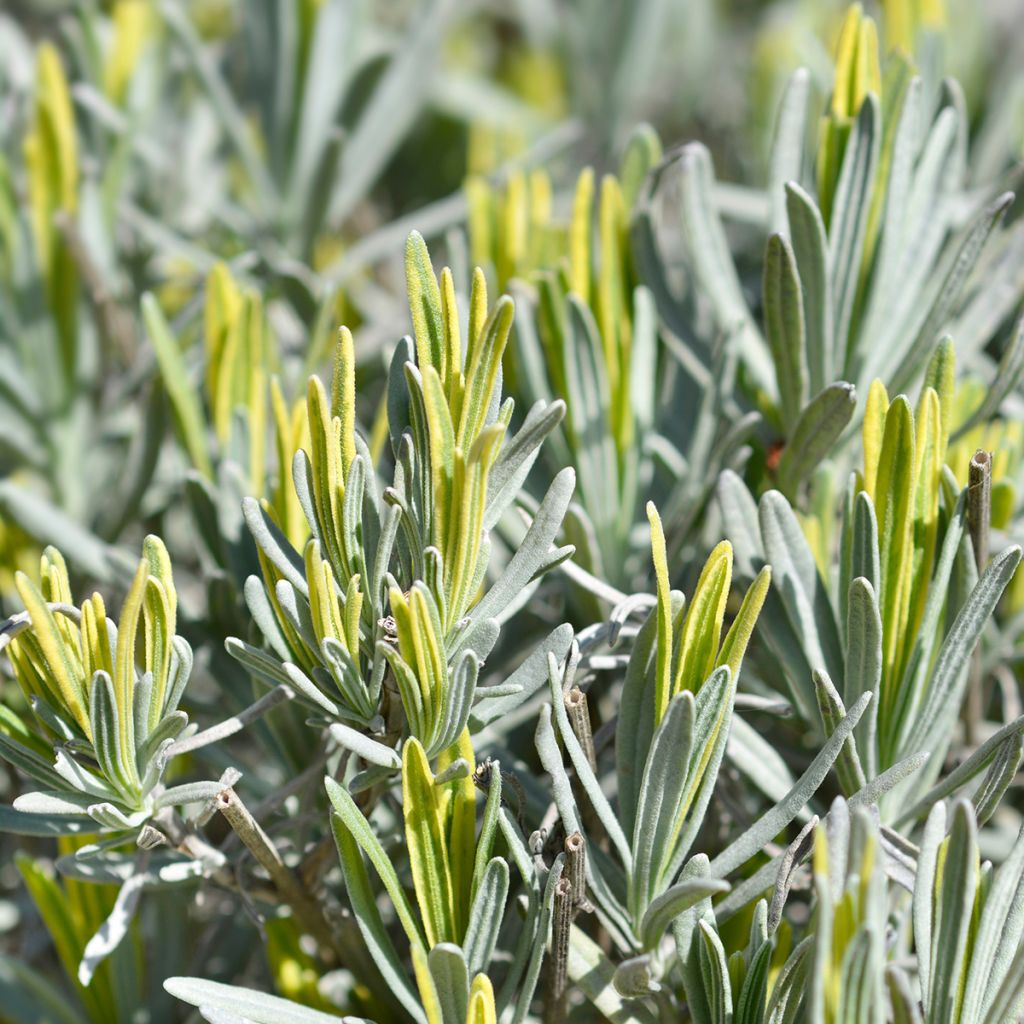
<point x="979" y="505"/>
<point x="306" y="909"/>
<point x="579" y="717"/>
<point x="576" y="871"/>
<point x="561" y="925"/>
<point x="979" y="521"/>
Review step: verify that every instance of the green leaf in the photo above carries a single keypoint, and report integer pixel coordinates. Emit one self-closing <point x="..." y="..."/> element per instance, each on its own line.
<point x="948" y="284"/>
<point x="964" y="772"/>
<point x="671" y="903"/>
<point x="659" y="806"/>
<point x="799" y="583"/>
<point x="813" y="264"/>
<point x="248" y="1004"/>
<point x="486" y="914"/>
<point x="351" y="819"/>
<point x="534" y="557"/>
<point x="863" y="666"/>
<point x="816" y="433"/>
<point x="773" y="821"/>
<point x="996" y="940"/>
<point x="447" y="966"/>
<point x="788" y="145"/>
<point x="946" y="686"/>
<point x="712" y="262"/>
<point x="954" y="913"/>
<point x="830" y="705"/>
<point x="784" y="327"/>
<point x="848" y="223"/>
<point x="396" y="101"/>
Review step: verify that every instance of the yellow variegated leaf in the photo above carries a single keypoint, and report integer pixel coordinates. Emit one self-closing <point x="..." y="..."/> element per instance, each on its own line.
<point x="611" y="224"/>
<point x="512" y="228"/>
<point x="54" y="150"/>
<point x="932" y="13"/>
<point x="428" y="847"/>
<point x="158" y="632"/>
<point x="928" y="460"/>
<point x="421" y="650"/>
<point x="477" y="320"/>
<point x="663" y="669"/>
<point x="482" y="369"/>
<point x="131" y="20"/>
<point x="940" y="375"/>
<point x="899" y="24"/>
<point x="857" y="73"/>
<point x="53" y="577"/>
<point x="894" y="503"/>
<point x="424" y="304"/>
<point x="451" y="368"/>
<point x="698" y="644"/>
<point x="442" y="454"/>
<point x="343" y="396"/>
<point x="465" y="531"/>
<point x="325" y="433"/>
<point x="425" y="983"/>
<point x="55" y="587"/>
<point x="59" y="661"/>
<point x="479" y="218"/>
<point x="158" y="561"/>
<point x="124" y="658"/>
<point x="739" y="634"/>
<point x="324" y="607"/>
<point x="873" y="428"/>
<point x="481" y="1002"/>
<point x="52" y="163"/>
<point x="458" y="806"/>
<point x="95" y="638"/>
<point x="857" y="65"/>
<point x="221" y="313"/>
<point x="539" y="187"/>
<point x="252" y="376"/>
<point x="291" y="432"/>
<point x="580" y="235"/>
<point x="353" y="609"/>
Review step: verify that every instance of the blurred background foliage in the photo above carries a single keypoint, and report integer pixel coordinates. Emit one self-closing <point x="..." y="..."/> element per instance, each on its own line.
<point x="194" y="194"/>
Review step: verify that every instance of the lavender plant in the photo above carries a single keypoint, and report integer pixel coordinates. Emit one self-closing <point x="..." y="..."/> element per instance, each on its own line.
<point x="621" y="621"/>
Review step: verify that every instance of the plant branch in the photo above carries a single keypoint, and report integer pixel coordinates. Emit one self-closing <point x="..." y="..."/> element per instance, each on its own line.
<point x="234" y="724"/>
<point x="979" y="520"/>
<point x="306" y="909"/>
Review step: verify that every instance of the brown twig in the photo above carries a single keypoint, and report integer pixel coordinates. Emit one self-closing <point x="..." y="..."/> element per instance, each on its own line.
<point x="979" y="521"/>
<point x="558" y="976"/>
<point x="306" y="909"/>
<point x="579" y="718"/>
<point x="576" y="867"/>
